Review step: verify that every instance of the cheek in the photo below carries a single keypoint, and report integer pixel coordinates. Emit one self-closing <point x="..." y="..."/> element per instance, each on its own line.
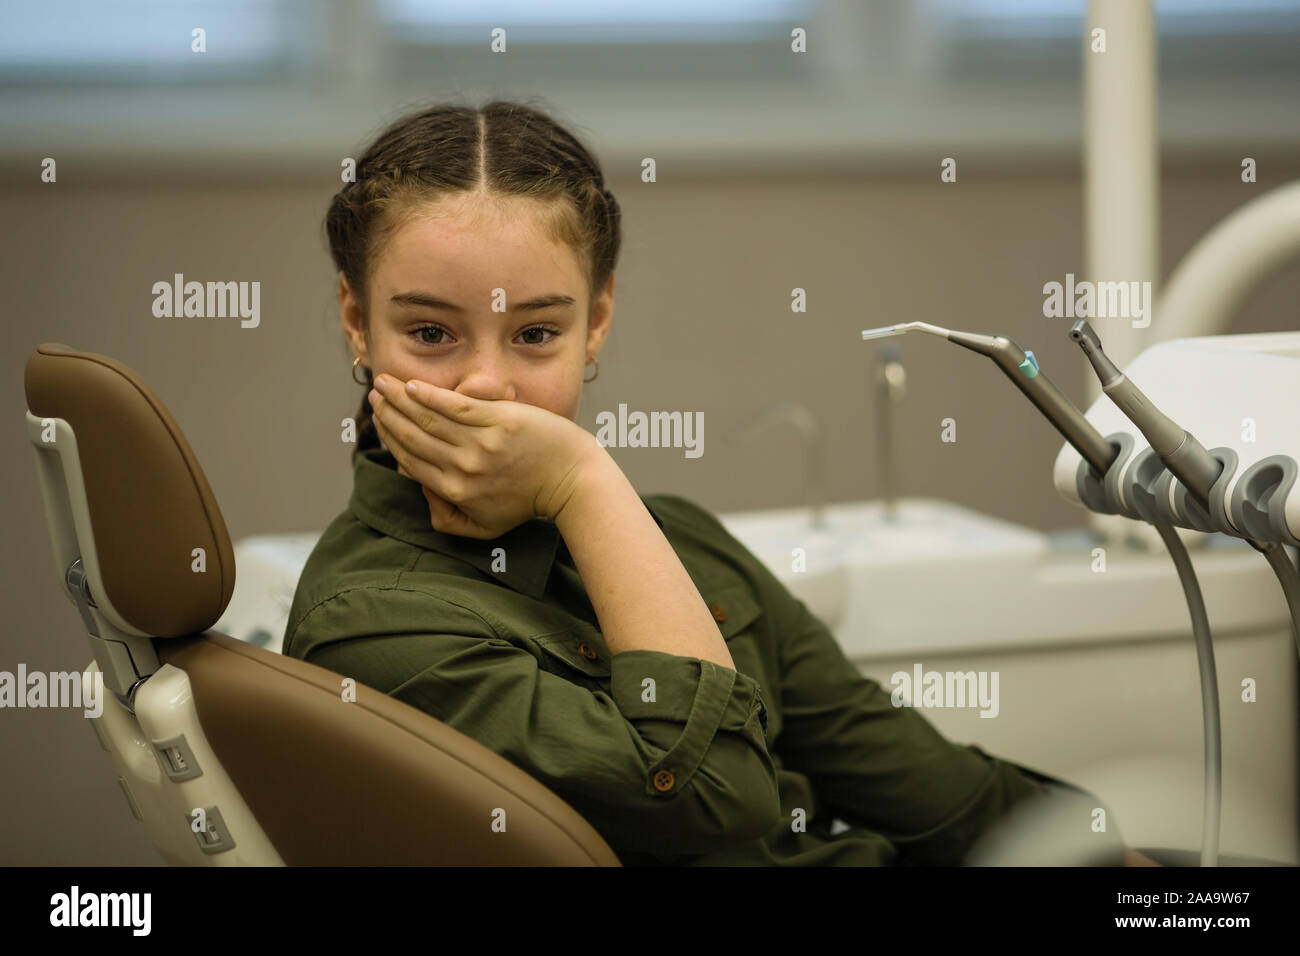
<point x="567" y="399"/>
<point x="396" y="356"/>
<point x="405" y="367"/>
<point x="562" y="405"/>
<point x="570" y="408"/>
<point x="552" y="389"/>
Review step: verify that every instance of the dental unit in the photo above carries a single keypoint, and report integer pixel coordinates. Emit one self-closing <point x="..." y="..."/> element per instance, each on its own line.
<point x="1259" y="505"/>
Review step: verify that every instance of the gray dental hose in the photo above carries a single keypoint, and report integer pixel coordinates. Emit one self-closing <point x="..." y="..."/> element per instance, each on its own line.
<point x="1212" y="734"/>
<point x="1022" y="368"/>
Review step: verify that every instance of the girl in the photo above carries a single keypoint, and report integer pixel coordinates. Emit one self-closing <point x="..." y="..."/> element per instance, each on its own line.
<point x="497" y="570"/>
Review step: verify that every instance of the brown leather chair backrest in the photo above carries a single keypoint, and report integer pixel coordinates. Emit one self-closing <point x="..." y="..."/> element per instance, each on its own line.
<point x="331" y="781"/>
<point x="150" y="504"/>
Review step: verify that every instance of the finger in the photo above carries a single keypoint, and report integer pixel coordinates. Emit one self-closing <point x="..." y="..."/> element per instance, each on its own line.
<point x="432" y="477"/>
<point x="415" y="442"/>
<point x="388" y="441"/>
<point x="393" y="391"/>
<point x="386" y="438"/>
<point x="464" y="409"/>
<point x="409" y="465"/>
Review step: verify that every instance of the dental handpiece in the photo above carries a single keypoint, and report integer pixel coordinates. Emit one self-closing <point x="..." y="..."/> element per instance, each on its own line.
<point x="1177" y="448"/>
<point x="1183" y="455"/>
<point x="1022" y="368"/>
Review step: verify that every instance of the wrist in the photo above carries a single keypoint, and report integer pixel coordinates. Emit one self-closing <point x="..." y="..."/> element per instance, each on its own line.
<point x="586" y="458"/>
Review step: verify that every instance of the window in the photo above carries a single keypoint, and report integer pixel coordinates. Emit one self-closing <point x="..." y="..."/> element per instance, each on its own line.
<point x="149" y="41"/>
<point x="1193" y="36"/>
<point x="704" y="81"/>
<point x="586" y="20"/>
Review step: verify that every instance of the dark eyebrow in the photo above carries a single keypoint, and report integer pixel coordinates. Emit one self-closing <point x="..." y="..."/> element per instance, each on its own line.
<point x="431" y="301"/>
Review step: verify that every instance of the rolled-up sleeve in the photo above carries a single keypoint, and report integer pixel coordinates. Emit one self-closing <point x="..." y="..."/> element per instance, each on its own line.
<point x="673" y="760"/>
<point x="686" y="706"/>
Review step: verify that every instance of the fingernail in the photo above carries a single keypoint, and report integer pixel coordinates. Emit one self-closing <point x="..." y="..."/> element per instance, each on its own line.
<point x="374" y="398"/>
<point x="381" y="382"/>
<point x="410" y="387"/>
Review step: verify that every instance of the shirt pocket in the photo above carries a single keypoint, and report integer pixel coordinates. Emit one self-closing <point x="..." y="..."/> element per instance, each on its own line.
<point x="734" y="608"/>
<point x="578" y="654"/>
<point x="738" y="614"/>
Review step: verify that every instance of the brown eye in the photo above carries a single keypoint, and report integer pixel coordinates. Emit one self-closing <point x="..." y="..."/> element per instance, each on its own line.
<point x="543" y="330"/>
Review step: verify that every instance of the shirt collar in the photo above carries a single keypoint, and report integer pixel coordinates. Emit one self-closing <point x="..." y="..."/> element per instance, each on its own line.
<point x="394" y="505"/>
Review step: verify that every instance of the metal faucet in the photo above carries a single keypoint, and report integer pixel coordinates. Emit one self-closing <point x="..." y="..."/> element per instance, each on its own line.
<point x="891" y="386"/>
<point x="805" y="423"/>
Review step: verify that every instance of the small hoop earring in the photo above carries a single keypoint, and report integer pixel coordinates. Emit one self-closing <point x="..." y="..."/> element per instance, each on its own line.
<point x="593" y="377"/>
<point x="354" y="371"/>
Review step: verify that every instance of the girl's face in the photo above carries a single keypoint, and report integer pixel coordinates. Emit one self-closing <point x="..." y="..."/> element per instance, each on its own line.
<point x="470" y="295"/>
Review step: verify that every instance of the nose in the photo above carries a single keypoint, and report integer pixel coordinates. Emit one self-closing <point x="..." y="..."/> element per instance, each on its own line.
<point x="486" y="379"/>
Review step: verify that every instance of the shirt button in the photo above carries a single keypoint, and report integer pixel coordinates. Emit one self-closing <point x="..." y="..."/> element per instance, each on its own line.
<point x="663" y="780"/>
<point x="719" y="612"/>
<point x="587" y="651"/>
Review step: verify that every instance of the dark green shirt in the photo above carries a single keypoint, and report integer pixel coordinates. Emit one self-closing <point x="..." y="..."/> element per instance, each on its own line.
<point x="498" y="639"/>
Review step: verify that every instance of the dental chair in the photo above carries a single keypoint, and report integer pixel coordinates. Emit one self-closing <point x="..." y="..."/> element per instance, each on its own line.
<point x="230" y="754"/>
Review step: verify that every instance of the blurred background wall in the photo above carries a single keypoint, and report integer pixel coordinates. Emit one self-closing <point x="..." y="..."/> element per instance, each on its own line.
<point x="775" y="170"/>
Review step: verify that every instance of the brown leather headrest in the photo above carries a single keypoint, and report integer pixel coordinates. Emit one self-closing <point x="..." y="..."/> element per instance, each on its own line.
<point x="150" y="504"/>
